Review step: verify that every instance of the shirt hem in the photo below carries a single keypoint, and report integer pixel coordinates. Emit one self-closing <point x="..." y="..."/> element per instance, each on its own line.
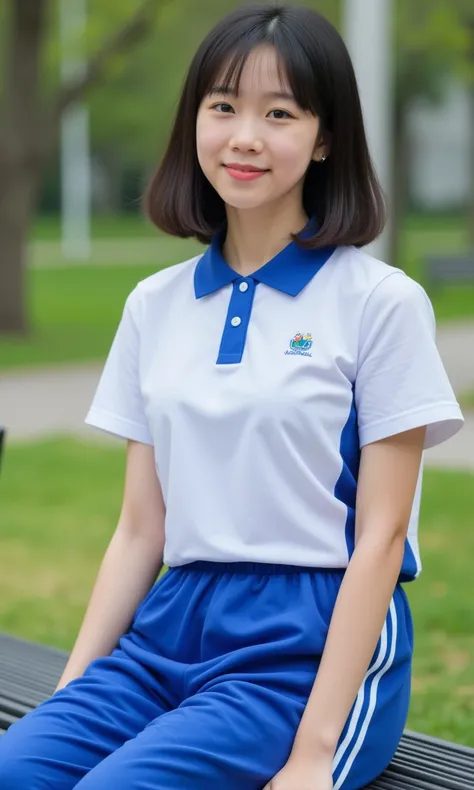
<point x="119" y="426"/>
<point x="443" y="420"/>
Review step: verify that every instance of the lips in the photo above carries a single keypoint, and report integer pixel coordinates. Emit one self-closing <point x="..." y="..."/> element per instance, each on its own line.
<point x="245" y="168"/>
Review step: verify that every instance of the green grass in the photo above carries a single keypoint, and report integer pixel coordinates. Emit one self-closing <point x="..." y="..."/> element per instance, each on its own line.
<point x="441" y="599"/>
<point x="422" y="236"/>
<point x="466" y="400"/>
<point x="120" y="250"/>
<point x="60" y="504"/>
<point x="75" y="307"/>
<point x="74" y="312"/>
<point x="47" y="227"/>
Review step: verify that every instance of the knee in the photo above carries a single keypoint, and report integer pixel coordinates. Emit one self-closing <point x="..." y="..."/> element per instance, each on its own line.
<point x="17" y="769"/>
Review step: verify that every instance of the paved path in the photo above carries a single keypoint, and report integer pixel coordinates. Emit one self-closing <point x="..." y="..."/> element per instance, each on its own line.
<point x="55" y="400"/>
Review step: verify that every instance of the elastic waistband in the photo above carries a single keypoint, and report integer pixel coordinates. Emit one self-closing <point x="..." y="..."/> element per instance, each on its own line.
<point x="260" y="568"/>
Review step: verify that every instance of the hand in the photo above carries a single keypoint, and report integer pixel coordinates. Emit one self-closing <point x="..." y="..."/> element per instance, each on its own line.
<point x="298" y="774"/>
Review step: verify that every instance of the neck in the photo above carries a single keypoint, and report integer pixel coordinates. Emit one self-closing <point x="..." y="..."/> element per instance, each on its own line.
<point x="254" y="237"/>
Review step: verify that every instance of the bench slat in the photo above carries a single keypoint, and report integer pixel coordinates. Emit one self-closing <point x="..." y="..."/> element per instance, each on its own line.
<point x="411" y="751"/>
<point x="457" y="776"/>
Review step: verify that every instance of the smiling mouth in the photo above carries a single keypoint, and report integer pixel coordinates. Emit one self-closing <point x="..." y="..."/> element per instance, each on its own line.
<point x="246" y="168"/>
<point x="237" y="174"/>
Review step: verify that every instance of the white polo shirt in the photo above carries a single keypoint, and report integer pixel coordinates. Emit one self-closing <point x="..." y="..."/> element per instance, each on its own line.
<point x="257" y="394"/>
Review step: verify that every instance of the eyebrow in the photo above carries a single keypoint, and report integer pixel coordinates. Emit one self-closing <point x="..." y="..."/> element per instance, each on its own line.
<point x="222" y="89"/>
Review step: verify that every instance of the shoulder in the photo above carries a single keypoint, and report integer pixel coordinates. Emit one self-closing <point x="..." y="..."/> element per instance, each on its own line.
<point x="150" y="293"/>
<point x="378" y="284"/>
<point x="171" y="277"/>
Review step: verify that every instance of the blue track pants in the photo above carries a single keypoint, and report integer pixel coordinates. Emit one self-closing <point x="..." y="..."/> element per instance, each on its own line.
<point x="207" y="688"/>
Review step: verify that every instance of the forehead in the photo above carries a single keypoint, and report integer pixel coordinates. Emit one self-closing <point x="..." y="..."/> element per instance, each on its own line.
<point x="261" y="72"/>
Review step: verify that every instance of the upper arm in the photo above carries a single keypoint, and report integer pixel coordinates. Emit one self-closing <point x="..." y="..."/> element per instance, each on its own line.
<point x="404" y="403"/>
<point x="401" y="382"/>
<point x="388" y="474"/>
<point x="118" y="405"/>
<point x="143" y="509"/>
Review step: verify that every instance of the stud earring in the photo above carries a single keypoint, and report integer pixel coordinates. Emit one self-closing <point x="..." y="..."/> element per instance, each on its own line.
<point x="323" y="158"/>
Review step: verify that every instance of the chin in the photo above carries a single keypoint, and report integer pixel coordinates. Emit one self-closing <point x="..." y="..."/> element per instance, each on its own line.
<point x="244" y="205"/>
<point x="242" y="201"/>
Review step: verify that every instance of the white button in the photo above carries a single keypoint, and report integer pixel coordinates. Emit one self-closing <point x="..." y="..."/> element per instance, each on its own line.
<point x="236" y="321"/>
<point x="243" y="286"/>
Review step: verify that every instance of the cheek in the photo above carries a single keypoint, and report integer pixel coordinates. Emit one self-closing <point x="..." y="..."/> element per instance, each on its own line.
<point x="294" y="155"/>
<point x="295" y="149"/>
<point x="208" y="141"/>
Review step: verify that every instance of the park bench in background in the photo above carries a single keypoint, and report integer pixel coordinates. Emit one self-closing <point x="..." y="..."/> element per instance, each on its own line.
<point x="448" y="269"/>
<point x="29" y="674"/>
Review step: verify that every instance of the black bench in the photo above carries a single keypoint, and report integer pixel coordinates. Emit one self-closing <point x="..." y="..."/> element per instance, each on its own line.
<point x="29" y="673"/>
<point x="441" y="269"/>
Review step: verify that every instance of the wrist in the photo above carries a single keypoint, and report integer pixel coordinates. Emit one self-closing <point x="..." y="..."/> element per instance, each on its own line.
<point x="317" y="746"/>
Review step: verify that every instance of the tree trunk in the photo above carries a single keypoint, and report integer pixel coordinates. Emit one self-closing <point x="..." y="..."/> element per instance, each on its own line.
<point x="28" y="134"/>
<point x="21" y="155"/>
<point x="21" y="187"/>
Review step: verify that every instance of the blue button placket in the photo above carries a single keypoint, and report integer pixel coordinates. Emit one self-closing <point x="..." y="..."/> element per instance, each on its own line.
<point x="237" y="321"/>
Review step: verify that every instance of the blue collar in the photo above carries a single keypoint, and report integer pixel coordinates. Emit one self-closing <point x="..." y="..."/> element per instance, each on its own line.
<point x="289" y="271"/>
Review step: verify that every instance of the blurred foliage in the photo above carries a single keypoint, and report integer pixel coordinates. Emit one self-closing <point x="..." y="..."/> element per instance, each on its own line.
<point x="434" y="46"/>
<point x="132" y="110"/>
<point x="103" y="17"/>
<point x="433" y="42"/>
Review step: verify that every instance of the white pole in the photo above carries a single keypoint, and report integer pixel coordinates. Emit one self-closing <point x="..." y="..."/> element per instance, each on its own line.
<point x="367" y="32"/>
<point x="74" y="140"/>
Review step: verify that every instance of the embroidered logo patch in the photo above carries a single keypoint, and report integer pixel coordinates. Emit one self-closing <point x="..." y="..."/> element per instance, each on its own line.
<point x="301" y="344"/>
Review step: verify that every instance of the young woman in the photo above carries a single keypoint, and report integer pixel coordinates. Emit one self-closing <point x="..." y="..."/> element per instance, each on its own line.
<point x="276" y="393"/>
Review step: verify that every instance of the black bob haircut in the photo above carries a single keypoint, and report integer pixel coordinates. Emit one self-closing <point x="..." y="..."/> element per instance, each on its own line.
<point x="342" y="193"/>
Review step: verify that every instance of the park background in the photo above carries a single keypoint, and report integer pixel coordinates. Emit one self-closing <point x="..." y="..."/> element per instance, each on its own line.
<point x="61" y="484"/>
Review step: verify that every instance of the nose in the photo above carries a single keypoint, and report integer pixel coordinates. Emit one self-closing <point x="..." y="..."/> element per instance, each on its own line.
<point x="245" y="136"/>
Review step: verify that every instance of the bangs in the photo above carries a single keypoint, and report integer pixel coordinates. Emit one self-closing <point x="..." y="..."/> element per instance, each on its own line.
<point x="224" y="69"/>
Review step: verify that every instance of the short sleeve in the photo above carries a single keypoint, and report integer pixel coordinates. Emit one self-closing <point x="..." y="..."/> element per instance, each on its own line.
<point x="117" y="406"/>
<point x="401" y="382"/>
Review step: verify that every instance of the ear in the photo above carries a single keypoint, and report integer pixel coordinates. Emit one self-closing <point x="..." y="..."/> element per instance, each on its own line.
<point x="322" y="148"/>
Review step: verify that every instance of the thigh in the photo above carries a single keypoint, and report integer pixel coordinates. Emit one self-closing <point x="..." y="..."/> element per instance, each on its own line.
<point x="236" y="736"/>
<point x="238" y="729"/>
<point x="376" y="722"/>
<point x="66" y="736"/>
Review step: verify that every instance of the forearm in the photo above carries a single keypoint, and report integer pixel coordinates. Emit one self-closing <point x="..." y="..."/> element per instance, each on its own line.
<point x="126" y="574"/>
<point x="356" y="625"/>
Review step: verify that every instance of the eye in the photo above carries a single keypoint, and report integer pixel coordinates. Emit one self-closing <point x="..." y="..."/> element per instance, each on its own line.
<point x="221" y="104"/>
<point x="285" y="113"/>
